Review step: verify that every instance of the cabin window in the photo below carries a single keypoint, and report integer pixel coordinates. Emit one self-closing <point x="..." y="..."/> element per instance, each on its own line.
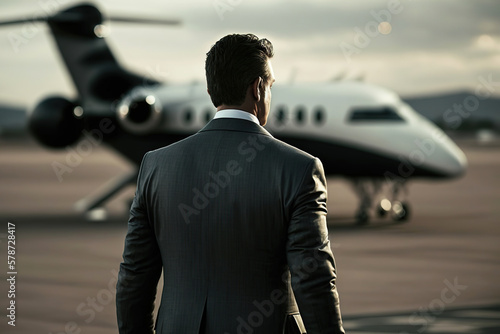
<point x="300" y="115"/>
<point x="188" y="115"/>
<point x="280" y="115"/>
<point x="319" y="115"/>
<point x="208" y="115"/>
<point x="374" y="114"/>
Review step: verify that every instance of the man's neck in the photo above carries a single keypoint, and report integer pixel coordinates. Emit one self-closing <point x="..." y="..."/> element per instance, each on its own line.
<point x="240" y="107"/>
<point x="236" y="113"/>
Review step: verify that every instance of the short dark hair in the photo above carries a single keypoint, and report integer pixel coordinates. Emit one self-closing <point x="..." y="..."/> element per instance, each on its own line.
<point x="233" y="63"/>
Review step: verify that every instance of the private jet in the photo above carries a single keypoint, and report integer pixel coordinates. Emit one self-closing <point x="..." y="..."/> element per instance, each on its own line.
<point x="363" y="133"/>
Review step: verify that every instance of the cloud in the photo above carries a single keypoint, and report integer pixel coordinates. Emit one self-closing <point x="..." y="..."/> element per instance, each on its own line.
<point x="440" y="36"/>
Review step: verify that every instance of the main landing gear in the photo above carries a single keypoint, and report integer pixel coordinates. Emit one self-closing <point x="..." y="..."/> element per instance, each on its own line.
<point x="368" y="189"/>
<point x="92" y="206"/>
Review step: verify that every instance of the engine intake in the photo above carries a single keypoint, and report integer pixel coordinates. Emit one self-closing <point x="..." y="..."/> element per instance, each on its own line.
<point x="56" y="122"/>
<point x="139" y="113"/>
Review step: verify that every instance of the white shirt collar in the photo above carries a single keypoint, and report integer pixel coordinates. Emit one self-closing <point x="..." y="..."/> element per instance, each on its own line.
<point x="235" y="113"/>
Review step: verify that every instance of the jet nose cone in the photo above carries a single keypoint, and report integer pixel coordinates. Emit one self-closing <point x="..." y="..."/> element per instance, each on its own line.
<point x="459" y="165"/>
<point x="456" y="161"/>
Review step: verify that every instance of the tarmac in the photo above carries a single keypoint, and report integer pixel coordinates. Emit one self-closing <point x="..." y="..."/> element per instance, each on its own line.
<point x="437" y="273"/>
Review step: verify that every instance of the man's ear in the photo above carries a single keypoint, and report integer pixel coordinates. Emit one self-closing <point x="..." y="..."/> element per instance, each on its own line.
<point x="256" y="88"/>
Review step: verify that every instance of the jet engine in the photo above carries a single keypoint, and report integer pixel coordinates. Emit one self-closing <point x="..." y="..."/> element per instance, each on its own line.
<point x="56" y="122"/>
<point x="139" y="113"/>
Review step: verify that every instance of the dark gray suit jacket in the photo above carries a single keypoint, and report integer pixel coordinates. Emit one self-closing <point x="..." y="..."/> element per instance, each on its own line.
<point x="228" y="213"/>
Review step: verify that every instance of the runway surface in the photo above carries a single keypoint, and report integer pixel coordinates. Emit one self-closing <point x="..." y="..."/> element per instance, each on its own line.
<point x="437" y="274"/>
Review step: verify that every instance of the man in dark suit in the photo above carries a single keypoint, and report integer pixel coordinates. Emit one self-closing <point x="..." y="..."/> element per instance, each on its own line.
<point x="236" y="219"/>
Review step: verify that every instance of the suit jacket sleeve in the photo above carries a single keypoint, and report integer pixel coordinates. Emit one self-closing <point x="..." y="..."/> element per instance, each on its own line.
<point x="309" y="256"/>
<point x="140" y="269"/>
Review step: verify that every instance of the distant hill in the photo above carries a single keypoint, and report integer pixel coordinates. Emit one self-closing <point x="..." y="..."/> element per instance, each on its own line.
<point x="435" y="108"/>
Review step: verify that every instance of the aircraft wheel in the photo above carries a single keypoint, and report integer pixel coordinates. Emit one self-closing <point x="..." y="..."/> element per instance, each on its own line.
<point x="362" y="218"/>
<point x="384" y="207"/>
<point x="400" y="211"/>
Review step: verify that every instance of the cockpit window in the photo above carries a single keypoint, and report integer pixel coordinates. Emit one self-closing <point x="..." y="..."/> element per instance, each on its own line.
<point x="374" y="114"/>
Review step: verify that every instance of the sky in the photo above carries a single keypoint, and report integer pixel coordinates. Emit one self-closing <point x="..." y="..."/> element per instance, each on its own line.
<point x="414" y="47"/>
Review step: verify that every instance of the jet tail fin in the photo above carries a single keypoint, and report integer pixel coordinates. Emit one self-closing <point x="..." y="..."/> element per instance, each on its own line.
<point x="99" y="79"/>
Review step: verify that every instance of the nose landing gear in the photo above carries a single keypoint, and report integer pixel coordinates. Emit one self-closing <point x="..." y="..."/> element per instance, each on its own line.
<point x="368" y="189"/>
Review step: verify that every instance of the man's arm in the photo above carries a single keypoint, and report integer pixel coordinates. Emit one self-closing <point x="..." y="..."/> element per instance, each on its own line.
<point x="310" y="258"/>
<point x="139" y="271"/>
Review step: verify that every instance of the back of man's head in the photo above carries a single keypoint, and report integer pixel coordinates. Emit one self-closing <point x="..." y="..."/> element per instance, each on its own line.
<point x="233" y="63"/>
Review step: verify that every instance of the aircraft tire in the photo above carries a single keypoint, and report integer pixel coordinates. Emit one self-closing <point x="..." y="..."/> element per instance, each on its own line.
<point x="381" y="212"/>
<point x="401" y="212"/>
<point x="383" y="207"/>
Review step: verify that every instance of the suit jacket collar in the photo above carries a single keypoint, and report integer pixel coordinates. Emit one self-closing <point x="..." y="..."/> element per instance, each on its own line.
<point x="234" y="124"/>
